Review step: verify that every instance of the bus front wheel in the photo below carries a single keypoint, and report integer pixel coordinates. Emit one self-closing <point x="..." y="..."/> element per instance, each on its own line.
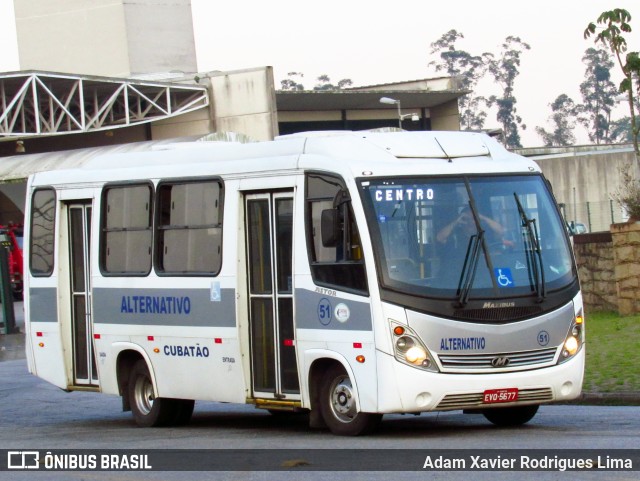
<point x="338" y="405"/>
<point x="512" y="416"/>
<point x="147" y="409"/>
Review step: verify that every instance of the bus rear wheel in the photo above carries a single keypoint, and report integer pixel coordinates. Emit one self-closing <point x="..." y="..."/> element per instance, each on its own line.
<point x="147" y="409"/>
<point x="513" y="416"/>
<point x="338" y="405"/>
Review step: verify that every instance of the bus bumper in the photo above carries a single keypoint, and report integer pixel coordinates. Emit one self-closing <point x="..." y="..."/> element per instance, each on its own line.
<point x="419" y="391"/>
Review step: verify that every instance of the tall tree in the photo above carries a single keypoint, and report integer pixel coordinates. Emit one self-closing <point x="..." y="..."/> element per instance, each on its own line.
<point x="598" y="95"/>
<point x="612" y="23"/>
<point x="505" y="70"/>
<point x="292" y="82"/>
<point x="467" y="69"/>
<point x="621" y="130"/>
<point x="324" y="83"/>
<point x="563" y="118"/>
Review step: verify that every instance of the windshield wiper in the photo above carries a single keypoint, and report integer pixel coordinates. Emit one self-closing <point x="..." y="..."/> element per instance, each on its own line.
<point x="469" y="268"/>
<point x="534" y="253"/>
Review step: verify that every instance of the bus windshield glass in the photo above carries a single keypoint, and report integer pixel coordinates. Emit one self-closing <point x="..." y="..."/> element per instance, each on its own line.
<point x="468" y="237"/>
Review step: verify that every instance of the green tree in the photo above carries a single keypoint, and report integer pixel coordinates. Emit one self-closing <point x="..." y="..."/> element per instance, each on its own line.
<point x="621" y="130"/>
<point x="598" y="95"/>
<point x="505" y="70"/>
<point x="611" y="25"/>
<point x="563" y="117"/>
<point x="292" y="83"/>
<point x="324" y="84"/>
<point x="467" y="69"/>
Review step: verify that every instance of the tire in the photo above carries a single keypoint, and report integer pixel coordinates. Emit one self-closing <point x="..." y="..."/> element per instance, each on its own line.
<point x="148" y="411"/>
<point x="338" y="405"/>
<point x="513" y="416"/>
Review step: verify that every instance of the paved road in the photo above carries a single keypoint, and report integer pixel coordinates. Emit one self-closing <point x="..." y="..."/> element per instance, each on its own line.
<point x="36" y="415"/>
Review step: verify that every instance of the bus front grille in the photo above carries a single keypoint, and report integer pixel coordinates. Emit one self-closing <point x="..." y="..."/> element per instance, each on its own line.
<point x="470" y="362"/>
<point x="498" y="315"/>
<point x="475" y="400"/>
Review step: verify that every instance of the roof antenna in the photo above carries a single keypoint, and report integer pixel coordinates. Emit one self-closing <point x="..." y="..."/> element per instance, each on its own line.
<point x="444" y="151"/>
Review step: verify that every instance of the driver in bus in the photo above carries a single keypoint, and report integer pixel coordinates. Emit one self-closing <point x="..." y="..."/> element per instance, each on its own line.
<point x="464" y="226"/>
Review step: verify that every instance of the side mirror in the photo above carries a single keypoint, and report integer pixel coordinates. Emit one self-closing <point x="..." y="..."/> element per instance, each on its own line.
<point x="330" y="227"/>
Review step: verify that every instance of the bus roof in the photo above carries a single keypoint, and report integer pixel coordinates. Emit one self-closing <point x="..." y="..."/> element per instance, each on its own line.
<point x="350" y="154"/>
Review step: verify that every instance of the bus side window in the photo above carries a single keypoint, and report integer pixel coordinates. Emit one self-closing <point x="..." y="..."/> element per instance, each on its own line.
<point x="189" y="227"/>
<point x="335" y="251"/>
<point x="43" y="211"/>
<point x="126" y="229"/>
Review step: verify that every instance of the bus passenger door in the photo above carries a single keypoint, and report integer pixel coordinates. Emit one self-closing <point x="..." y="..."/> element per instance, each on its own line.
<point x="83" y="356"/>
<point x="269" y="221"/>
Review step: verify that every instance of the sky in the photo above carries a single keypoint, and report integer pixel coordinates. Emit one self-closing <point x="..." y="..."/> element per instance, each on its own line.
<point x="380" y="42"/>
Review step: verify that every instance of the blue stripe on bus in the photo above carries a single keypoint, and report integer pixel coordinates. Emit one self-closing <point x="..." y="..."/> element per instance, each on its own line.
<point x="164" y="307"/>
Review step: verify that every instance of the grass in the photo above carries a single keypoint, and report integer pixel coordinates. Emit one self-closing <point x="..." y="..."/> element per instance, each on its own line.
<point x="613" y="354"/>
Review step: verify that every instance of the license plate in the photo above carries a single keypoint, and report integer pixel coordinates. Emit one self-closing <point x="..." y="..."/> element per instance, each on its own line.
<point x="492" y="396"/>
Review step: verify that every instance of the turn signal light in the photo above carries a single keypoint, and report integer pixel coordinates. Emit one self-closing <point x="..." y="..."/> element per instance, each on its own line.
<point x="398" y="330"/>
<point x="360" y="359"/>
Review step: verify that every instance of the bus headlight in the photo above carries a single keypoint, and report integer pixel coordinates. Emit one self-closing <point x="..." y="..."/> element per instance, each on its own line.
<point x="408" y="348"/>
<point x="574" y="340"/>
<point x="416" y="355"/>
<point x="571" y="345"/>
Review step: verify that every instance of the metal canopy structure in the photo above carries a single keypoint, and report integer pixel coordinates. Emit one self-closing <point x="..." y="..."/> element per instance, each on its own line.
<point x="43" y="103"/>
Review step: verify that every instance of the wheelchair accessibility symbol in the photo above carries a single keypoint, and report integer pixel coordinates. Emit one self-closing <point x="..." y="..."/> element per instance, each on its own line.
<point x="504" y="277"/>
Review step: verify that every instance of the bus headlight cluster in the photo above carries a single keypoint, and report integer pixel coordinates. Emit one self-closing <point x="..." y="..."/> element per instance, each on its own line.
<point x="574" y="340"/>
<point x="408" y="348"/>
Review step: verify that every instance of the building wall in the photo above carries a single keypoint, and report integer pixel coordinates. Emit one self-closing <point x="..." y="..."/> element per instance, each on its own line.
<point x="243" y="101"/>
<point x="66" y="36"/>
<point x="160" y="36"/>
<point x="114" y="38"/>
<point x="194" y="123"/>
<point x="587" y="179"/>
<point x="445" y="116"/>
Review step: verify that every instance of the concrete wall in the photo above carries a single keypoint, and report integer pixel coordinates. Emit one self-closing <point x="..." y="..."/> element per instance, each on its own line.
<point x="105" y="37"/>
<point x="445" y="116"/>
<point x="194" y="123"/>
<point x="244" y="101"/>
<point x="579" y="177"/>
<point x="160" y="36"/>
<point x="66" y="36"/>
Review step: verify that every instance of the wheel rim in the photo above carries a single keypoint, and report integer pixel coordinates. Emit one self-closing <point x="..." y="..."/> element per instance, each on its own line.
<point x="342" y="400"/>
<point x="143" y="395"/>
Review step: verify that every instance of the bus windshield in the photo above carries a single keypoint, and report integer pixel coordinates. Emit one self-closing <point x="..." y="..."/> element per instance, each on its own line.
<point x="466" y="237"/>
